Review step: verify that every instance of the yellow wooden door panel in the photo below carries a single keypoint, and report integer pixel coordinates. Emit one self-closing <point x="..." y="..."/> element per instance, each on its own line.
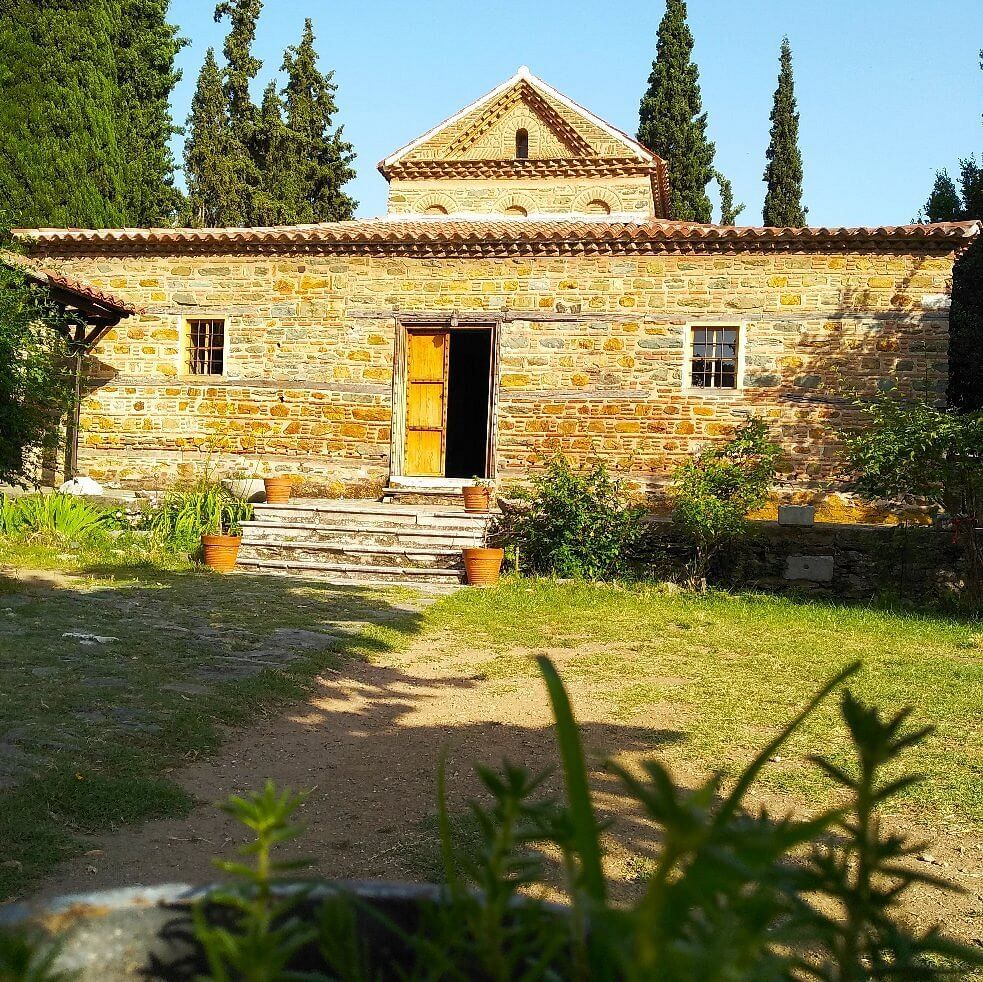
<point x="426" y="356"/>
<point x="426" y="402"/>
<point x="425" y="407"/>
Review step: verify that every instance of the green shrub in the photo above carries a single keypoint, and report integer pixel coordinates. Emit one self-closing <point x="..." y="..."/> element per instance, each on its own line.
<point x="913" y="451"/>
<point x="574" y="524"/>
<point x="714" y="492"/>
<point x="184" y="516"/>
<point x="57" y="516"/>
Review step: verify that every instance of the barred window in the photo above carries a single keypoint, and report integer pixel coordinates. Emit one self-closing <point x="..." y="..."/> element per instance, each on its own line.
<point x="206" y="347"/>
<point x="713" y="363"/>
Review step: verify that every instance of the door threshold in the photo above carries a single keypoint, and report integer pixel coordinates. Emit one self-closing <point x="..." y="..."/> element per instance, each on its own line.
<point x="431" y="483"/>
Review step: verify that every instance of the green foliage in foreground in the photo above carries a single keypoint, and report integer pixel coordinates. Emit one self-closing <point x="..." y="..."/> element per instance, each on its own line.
<point x="574" y="524"/>
<point x="715" y="491"/>
<point x="735" y="894"/>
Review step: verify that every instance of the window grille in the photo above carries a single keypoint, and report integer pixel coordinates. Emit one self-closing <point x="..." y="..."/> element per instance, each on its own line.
<point x="713" y="363"/>
<point x="206" y="347"/>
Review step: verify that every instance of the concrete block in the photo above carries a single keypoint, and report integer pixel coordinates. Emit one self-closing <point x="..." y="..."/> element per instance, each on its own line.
<point x="818" y="569"/>
<point x="796" y="515"/>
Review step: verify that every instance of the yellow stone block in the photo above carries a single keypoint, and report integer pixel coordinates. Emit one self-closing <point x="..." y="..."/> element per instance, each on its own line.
<point x="791" y="299"/>
<point x="778" y="281"/>
<point x="514" y="381"/>
<point x="880" y="283"/>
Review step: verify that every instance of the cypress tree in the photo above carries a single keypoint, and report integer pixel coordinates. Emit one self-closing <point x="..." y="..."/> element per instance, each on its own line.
<point x="277" y="147"/>
<point x="783" y="173"/>
<point x="321" y="158"/>
<point x="943" y="204"/>
<point x="728" y="212"/>
<point x="60" y="160"/>
<point x="671" y="121"/>
<point x="966" y="312"/>
<point x="146" y="50"/>
<point x="213" y="157"/>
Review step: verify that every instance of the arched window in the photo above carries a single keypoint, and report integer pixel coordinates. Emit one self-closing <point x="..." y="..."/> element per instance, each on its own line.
<point x="598" y="207"/>
<point x="435" y="210"/>
<point x="521" y="144"/>
<point x="516" y="211"/>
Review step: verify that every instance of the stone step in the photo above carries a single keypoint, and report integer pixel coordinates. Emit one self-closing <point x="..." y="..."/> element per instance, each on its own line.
<point x="410" y="495"/>
<point x="356" y="572"/>
<point x="331" y="534"/>
<point x="381" y="516"/>
<point x="353" y="554"/>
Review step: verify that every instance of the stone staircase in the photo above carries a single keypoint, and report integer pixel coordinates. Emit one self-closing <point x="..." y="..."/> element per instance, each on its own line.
<point x="365" y="542"/>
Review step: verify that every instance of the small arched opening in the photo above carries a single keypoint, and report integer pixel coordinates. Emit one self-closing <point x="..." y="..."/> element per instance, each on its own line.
<point x="521" y="144"/>
<point x="435" y="210"/>
<point x="517" y="210"/>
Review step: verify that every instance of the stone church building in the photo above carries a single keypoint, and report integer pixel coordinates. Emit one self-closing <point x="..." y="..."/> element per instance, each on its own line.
<point x="526" y="293"/>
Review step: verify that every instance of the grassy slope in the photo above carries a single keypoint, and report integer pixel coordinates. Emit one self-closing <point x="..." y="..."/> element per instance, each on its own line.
<point x="731" y="669"/>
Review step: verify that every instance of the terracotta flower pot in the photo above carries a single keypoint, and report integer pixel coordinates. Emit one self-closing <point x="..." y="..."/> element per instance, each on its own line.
<point x="483" y="566"/>
<point x="278" y="490"/>
<point x="477" y="498"/>
<point x="221" y="551"/>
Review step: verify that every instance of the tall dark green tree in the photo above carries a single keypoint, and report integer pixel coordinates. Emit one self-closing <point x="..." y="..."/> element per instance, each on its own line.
<point x="60" y="157"/>
<point x="728" y="210"/>
<point x="213" y="157"/>
<point x="322" y="158"/>
<point x="277" y="148"/>
<point x="783" y="173"/>
<point x="945" y="204"/>
<point x="146" y="51"/>
<point x="671" y="118"/>
<point x="241" y="65"/>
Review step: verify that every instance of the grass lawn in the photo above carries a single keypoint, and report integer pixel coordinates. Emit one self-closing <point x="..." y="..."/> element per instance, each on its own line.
<point x="99" y="726"/>
<point x="727" y="671"/>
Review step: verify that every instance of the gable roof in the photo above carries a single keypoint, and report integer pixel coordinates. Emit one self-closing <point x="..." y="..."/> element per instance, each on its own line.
<point x="524" y="82"/>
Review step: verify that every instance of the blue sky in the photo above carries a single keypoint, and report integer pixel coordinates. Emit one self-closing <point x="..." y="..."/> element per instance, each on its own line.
<point x="888" y="90"/>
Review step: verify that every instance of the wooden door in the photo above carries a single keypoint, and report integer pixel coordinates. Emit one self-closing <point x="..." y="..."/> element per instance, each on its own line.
<point x="427" y="353"/>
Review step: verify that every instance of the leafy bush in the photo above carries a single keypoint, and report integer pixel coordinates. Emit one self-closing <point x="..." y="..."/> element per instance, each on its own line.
<point x="35" y="389"/>
<point x="915" y="451"/>
<point x="206" y="508"/>
<point x="734" y="893"/>
<point x="574" y="524"/>
<point x="714" y="492"/>
<point x="59" y="516"/>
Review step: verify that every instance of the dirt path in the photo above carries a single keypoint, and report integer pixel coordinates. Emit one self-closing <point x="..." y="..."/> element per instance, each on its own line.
<point x="368" y="745"/>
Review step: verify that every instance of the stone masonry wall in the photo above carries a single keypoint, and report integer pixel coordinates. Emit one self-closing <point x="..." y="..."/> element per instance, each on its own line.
<point x="591" y="357"/>
<point x="569" y="195"/>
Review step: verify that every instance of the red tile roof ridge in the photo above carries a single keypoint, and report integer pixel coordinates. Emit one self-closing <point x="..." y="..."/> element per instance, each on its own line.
<point x="478" y="223"/>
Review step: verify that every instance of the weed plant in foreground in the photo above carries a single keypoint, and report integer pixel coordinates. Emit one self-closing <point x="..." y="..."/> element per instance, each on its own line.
<point x="734" y="894"/>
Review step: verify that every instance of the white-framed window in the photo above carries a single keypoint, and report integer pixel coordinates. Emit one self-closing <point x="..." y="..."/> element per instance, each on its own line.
<point x="714" y="357"/>
<point x="206" y="343"/>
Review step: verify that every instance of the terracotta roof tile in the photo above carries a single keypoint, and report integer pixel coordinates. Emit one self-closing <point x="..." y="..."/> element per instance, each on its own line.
<point x="496" y="236"/>
<point x="82" y="291"/>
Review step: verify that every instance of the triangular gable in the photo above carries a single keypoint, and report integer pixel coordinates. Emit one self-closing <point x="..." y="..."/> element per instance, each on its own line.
<point x="574" y="132"/>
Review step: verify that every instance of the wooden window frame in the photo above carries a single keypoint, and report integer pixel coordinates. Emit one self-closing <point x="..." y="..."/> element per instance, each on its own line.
<point x="185" y="347"/>
<point x="714" y="392"/>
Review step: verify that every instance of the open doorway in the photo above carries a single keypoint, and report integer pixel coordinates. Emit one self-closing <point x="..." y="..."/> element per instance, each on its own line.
<point x="448" y="402"/>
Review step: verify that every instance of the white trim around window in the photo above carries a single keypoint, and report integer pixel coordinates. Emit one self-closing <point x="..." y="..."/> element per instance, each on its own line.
<point x="688" y="341"/>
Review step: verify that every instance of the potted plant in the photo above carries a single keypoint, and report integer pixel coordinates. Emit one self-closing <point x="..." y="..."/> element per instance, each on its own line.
<point x="222" y="531"/>
<point x="477" y="495"/>
<point x="278" y="489"/>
